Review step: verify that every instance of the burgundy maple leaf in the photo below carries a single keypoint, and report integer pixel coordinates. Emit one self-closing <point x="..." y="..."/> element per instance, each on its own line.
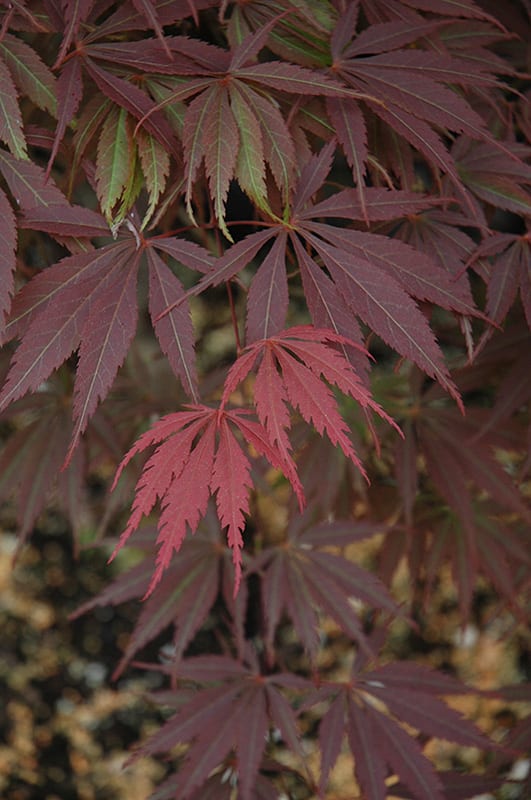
<point x="370" y="710"/>
<point x="348" y="274"/>
<point x="215" y="721"/>
<point x="88" y="300"/>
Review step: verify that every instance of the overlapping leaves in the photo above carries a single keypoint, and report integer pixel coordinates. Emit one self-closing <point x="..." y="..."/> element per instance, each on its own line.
<point x="185" y="595"/>
<point x="471" y="530"/>
<point x="198" y="454"/>
<point x="227" y="721"/>
<point x="301" y="580"/>
<point x="351" y="272"/>
<point x="213" y="704"/>
<point x="23" y="71"/>
<point x="370" y="710"/>
<point x="233" y="124"/>
<point x="88" y="301"/>
<point x="152" y="129"/>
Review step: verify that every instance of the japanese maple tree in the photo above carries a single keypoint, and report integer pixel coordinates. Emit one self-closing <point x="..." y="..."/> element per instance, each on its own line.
<point x="262" y="261"/>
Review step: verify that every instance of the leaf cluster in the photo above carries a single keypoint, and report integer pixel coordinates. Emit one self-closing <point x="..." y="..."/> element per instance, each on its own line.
<point x="340" y="191"/>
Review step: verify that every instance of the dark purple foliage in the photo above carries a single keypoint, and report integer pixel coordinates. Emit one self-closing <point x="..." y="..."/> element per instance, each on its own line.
<point x="379" y="304"/>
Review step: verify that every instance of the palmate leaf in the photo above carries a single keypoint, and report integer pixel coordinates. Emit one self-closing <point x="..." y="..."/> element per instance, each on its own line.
<point x="415" y="79"/>
<point x="366" y="276"/>
<point x="469" y="532"/>
<point x="302" y="354"/>
<point x="50" y="313"/>
<point x="232" y="712"/>
<point x="421" y="277"/>
<point x="408" y="92"/>
<point x="379" y="743"/>
<point x="228" y="117"/>
<point x="87" y="300"/>
<point x="183" y="475"/>
<point x="300" y="579"/>
<point x="101" y="318"/>
<point x="182" y="599"/>
<point x="198" y="455"/>
<point x="369" y="291"/>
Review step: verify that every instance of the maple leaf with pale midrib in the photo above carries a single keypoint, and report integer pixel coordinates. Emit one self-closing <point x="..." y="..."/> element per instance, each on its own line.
<point x="231" y="125"/>
<point x="351" y="274"/>
<point x="418" y="95"/>
<point x="407" y="89"/>
<point x="88" y="301"/>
